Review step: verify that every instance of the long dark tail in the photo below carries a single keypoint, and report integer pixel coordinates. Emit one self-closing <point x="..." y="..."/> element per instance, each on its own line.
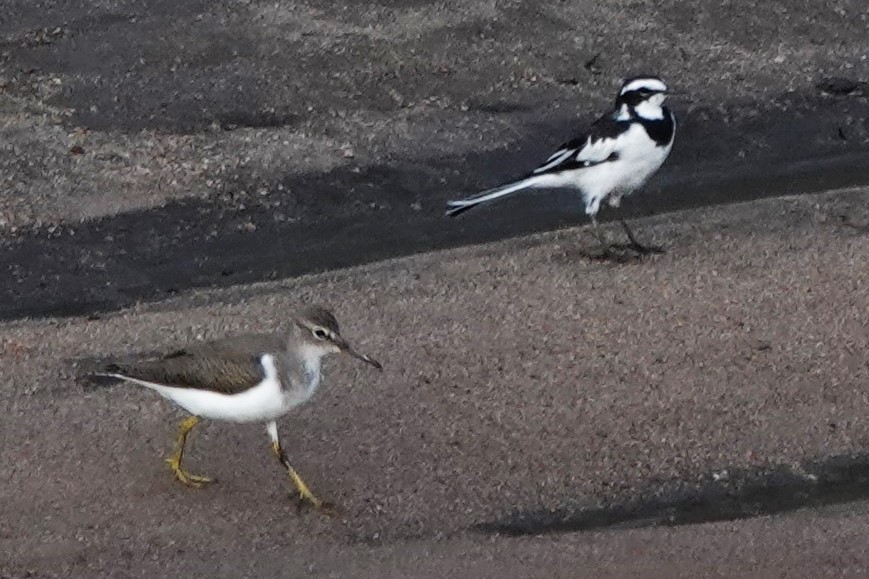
<point x="456" y="207"/>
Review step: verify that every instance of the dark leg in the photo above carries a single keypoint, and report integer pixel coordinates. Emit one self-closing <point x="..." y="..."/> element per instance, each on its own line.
<point x="305" y="494"/>
<point x="601" y="238"/>
<point x="636" y="245"/>
<point x="607" y="251"/>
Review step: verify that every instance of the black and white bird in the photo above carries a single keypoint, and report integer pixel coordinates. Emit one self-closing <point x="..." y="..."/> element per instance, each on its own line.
<point x="612" y="159"/>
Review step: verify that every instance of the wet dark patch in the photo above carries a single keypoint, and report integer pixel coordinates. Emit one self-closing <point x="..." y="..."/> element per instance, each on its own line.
<point x="500" y="106"/>
<point x="337" y="220"/>
<point x="185" y="69"/>
<point x="840" y="86"/>
<point x="738" y="495"/>
<point x="257" y="119"/>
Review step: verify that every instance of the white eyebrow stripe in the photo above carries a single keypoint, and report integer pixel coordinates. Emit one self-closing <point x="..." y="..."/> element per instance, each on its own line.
<point x="649" y="83"/>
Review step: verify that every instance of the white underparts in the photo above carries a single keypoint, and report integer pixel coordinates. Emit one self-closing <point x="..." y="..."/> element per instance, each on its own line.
<point x="638" y="157"/>
<point x="264" y="402"/>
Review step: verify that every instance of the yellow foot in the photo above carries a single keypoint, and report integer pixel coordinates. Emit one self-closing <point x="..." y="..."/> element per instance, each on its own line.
<point x="306" y="496"/>
<point x="305" y="493"/>
<point x="303" y="502"/>
<point x="191" y="480"/>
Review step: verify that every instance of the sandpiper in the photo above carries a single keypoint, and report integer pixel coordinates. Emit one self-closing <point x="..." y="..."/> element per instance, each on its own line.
<point x="249" y="378"/>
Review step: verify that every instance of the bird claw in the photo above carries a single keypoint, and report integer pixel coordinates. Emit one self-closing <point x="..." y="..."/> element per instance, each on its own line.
<point x="647" y="249"/>
<point x="189" y="479"/>
<point x="305" y="496"/>
<point x="303" y="501"/>
<point x="624" y="253"/>
<point x="608" y="255"/>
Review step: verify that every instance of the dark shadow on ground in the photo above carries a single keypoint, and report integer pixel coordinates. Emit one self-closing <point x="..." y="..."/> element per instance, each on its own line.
<point x="736" y="495"/>
<point x="115" y="262"/>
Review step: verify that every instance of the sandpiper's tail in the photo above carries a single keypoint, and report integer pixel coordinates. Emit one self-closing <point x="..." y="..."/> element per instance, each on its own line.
<point x="92" y="374"/>
<point x="98" y="380"/>
<point x="456" y="207"/>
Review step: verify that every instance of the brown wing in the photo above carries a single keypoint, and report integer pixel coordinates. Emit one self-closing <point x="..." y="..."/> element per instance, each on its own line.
<point x="229" y="366"/>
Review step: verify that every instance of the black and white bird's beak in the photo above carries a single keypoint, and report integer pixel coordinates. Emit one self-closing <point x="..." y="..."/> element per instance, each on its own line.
<point x="348" y="349"/>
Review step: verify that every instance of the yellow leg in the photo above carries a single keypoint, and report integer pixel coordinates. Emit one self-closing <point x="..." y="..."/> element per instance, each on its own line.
<point x="174" y="461"/>
<point x="305" y="493"/>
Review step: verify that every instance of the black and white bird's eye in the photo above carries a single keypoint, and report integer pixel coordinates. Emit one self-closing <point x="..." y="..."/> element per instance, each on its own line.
<point x="320" y="334"/>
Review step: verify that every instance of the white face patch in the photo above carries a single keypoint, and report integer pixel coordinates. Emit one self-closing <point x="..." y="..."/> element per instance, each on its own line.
<point x="658" y="99"/>
<point x="649" y="110"/>
<point x="652" y="84"/>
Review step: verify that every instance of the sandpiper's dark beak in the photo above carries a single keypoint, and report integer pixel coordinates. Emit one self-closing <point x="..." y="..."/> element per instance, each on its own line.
<point x="348" y="349"/>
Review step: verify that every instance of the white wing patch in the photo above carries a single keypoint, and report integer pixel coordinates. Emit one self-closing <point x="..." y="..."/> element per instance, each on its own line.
<point x="555" y="160"/>
<point x="592" y="152"/>
<point x="597" y="151"/>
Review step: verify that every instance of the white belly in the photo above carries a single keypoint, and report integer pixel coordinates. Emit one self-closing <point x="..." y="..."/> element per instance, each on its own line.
<point x="264" y="402"/>
<point x="624" y="175"/>
<point x="261" y="403"/>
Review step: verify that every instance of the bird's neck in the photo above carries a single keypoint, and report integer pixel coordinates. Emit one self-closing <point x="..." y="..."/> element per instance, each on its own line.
<point x="309" y="358"/>
<point x="303" y="365"/>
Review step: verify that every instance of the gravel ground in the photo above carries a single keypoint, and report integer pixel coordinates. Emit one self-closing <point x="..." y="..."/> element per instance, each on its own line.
<point x="520" y="378"/>
<point x="149" y="149"/>
<point x="116" y="106"/>
<point x="168" y="169"/>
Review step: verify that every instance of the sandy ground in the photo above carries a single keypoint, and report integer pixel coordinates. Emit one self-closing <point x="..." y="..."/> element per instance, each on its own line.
<point x="160" y="151"/>
<point x="520" y="378"/>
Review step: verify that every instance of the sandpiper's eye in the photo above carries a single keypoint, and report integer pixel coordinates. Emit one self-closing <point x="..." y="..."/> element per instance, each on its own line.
<point x="321" y="334"/>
